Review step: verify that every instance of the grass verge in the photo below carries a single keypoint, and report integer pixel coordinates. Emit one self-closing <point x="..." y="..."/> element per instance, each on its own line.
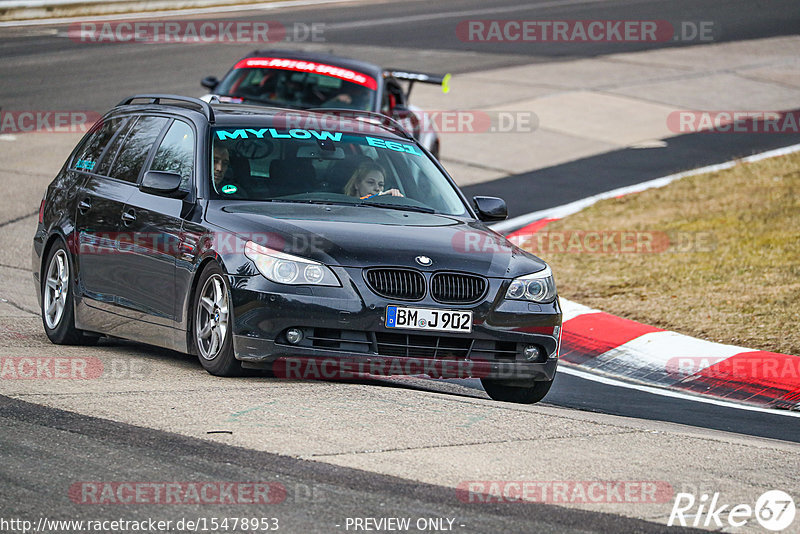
<point x="715" y="256"/>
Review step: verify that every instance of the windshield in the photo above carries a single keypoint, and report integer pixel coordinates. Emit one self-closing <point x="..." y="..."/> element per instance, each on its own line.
<point x="325" y="166"/>
<point x="299" y="84"/>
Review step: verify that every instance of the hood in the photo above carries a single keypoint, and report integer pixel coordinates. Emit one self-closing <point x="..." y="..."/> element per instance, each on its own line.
<point x="358" y="236"/>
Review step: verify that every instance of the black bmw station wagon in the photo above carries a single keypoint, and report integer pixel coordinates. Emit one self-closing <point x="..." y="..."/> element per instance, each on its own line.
<point x="266" y="238"/>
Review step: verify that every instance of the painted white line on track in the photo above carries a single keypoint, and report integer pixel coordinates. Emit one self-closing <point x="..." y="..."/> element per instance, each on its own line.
<point x="562" y="211"/>
<point x="564" y="368"/>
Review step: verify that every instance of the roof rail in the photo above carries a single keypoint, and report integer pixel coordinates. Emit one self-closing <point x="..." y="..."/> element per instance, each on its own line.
<point x="388" y="122"/>
<point x="156" y="99"/>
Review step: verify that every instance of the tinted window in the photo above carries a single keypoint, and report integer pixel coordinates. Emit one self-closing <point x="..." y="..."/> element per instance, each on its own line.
<point x="89" y="154"/>
<point x="295" y="89"/>
<point x="392" y="96"/>
<point x="128" y="163"/>
<point x="298" y="165"/>
<point x="113" y="148"/>
<point x="176" y="153"/>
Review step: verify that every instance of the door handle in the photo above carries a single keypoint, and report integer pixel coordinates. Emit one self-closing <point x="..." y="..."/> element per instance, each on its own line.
<point x="85" y="205"/>
<point x="128" y="217"/>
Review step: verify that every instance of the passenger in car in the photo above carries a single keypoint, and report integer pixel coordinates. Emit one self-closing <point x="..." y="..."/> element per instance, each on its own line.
<point x="350" y="96"/>
<point x="367" y="181"/>
<point x="221" y="162"/>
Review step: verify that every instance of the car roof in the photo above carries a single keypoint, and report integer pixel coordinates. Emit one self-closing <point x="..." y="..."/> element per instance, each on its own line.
<point x="244" y="115"/>
<point x="320" y="57"/>
<point x="347" y="121"/>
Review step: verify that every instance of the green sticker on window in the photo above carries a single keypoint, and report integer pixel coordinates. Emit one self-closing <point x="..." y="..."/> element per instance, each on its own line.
<point x="229" y="189"/>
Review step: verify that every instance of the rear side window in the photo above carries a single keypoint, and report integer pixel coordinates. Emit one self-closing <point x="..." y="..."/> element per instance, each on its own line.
<point x="89" y="154"/>
<point x="176" y="153"/>
<point x="131" y="157"/>
<point x="113" y="148"/>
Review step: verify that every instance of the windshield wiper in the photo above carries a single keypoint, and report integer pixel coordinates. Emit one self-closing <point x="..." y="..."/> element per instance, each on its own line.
<point x="310" y="201"/>
<point x="401" y="207"/>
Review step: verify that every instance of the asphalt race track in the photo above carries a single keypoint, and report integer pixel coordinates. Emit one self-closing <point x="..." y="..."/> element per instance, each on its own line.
<point x="58" y="71"/>
<point x="322" y="496"/>
<point x="53" y="438"/>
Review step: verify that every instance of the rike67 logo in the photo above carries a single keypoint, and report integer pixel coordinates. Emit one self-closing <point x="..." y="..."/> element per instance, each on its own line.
<point x="774" y="510"/>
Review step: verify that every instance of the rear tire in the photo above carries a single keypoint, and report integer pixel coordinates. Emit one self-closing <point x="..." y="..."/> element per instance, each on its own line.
<point x="212" y="334"/>
<point x="57" y="304"/>
<point x="532" y="394"/>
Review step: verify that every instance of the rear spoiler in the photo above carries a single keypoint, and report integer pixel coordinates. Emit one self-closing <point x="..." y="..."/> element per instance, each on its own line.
<point x="412" y="77"/>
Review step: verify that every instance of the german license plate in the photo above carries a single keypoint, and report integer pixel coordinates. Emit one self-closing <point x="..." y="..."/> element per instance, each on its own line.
<point x="429" y="319"/>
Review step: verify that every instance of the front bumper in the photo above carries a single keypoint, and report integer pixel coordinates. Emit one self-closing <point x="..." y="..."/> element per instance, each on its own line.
<point x="346" y="326"/>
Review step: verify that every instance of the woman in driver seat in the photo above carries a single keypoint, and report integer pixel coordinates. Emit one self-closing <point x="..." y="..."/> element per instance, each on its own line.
<point x="367" y="181"/>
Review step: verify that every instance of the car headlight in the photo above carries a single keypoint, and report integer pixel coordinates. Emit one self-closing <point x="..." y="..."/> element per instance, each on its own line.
<point x="537" y="287"/>
<point x="287" y="269"/>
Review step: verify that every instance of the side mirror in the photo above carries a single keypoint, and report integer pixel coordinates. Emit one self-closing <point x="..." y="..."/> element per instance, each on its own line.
<point x="491" y="208"/>
<point x="162" y="183"/>
<point x="210" y="82"/>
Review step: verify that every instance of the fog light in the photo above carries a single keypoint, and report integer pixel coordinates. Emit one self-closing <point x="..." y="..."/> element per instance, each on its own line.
<point x="531" y="352"/>
<point x="294" y="336"/>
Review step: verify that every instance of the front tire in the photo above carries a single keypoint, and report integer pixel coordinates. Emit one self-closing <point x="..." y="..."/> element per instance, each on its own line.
<point x="532" y="394"/>
<point x="57" y="305"/>
<point x="212" y="334"/>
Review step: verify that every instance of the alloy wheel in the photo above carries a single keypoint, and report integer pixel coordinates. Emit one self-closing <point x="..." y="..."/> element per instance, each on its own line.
<point x="211" y="320"/>
<point x="55" y="289"/>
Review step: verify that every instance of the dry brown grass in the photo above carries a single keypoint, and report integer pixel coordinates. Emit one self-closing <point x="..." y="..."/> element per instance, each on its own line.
<point x="740" y="283"/>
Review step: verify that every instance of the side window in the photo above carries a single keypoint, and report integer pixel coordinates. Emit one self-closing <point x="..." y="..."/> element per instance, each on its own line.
<point x="176" y="153"/>
<point x="392" y="96"/>
<point x="87" y="157"/>
<point x="128" y="163"/>
<point x="113" y="148"/>
<point x="399" y="94"/>
<point x="385" y="102"/>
